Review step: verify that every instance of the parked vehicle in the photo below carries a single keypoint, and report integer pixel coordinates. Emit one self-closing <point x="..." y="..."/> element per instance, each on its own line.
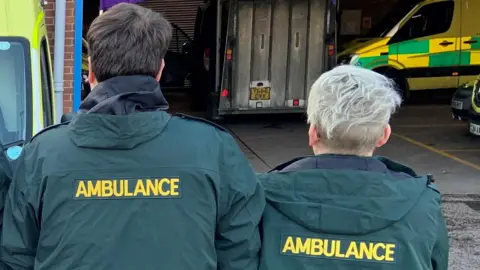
<point x="462" y="101"/>
<point x="178" y="61"/>
<point x="28" y="98"/>
<point x="435" y="46"/>
<point x="269" y="55"/>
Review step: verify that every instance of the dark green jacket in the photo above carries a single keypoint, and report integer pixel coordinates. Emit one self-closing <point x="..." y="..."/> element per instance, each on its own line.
<point x="351" y="213"/>
<point x="116" y="189"/>
<point x="5" y="179"/>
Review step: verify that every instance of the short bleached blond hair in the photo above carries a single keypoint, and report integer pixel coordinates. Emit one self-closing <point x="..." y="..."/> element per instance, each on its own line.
<point x="350" y="107"/>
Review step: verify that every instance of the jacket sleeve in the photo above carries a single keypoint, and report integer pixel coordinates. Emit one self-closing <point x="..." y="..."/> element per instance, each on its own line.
<point x="242" y="203"/>
<point x="4" y="184"/>
<point x="441" y="249"/>
<point x="20" y="227"/>
<point x="5" y="179"/>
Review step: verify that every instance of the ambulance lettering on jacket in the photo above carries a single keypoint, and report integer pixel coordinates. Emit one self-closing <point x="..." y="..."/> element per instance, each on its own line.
<point x="338" y="249"/>
<point x="127" y="188"/>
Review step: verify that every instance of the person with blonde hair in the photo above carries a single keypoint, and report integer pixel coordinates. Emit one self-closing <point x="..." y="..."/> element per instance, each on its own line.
<point x="343" y="207"/>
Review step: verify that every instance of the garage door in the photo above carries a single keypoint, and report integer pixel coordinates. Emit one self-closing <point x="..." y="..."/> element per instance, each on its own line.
<point x="179" y="12"/>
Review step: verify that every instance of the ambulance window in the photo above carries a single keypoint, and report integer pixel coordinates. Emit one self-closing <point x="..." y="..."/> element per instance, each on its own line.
<point x="431" y="19"/>
<point x="46" y="85"/>
<point x="14" y="86"/>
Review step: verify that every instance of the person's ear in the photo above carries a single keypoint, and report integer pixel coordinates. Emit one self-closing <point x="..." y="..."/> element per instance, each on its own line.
<point x="92" y="79"/>
<point x="313" y="137"/>
<point x="387" y="132"/>
<point x="159" y="75"/>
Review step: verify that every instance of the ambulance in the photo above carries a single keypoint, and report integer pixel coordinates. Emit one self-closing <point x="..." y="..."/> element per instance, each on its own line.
<point x="434" y="46"/>
<point x="27" y="102"/>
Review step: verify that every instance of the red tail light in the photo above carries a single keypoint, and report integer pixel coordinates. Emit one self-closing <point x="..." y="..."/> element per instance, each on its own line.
<point x="207" y="53"/>
<point x="331" y="50"/>
<point x="224" y="93"/>
<point x="228" y="54"/>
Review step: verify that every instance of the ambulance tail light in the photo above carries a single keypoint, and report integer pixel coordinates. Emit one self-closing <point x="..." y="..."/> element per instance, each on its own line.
<point x="296" y="102"/>
<point x="331" y="50"/>
<point x="224" y="93"/>
<point x="229" y="54"/>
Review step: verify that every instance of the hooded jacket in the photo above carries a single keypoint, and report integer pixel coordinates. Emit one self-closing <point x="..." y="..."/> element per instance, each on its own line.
<point x="5" y="179"/>
<point x="125" y="185"/>
<point x="351" y="213"/>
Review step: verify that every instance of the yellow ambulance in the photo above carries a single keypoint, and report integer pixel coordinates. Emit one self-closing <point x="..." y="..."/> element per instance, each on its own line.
<point x="435" y="46"/>
<point x="27" y="102"/>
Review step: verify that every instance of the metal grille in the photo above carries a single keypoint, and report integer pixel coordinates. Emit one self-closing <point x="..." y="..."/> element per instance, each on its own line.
<point x="179" y="12"/>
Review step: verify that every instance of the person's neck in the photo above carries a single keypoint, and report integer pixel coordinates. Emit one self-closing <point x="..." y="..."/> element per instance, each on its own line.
<point x="324" y="151"/>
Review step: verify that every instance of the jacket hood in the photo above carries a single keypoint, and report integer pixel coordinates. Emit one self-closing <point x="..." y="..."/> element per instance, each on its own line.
<point x="353" y="200"/>
<point x="120" y="113"/>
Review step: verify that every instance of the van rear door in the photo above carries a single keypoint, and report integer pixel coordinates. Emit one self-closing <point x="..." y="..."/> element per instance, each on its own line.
<point x="278" y="54"/>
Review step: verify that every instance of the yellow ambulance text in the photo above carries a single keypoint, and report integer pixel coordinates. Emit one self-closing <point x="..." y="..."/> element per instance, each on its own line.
<point x="128" y="188"/>
<point x="338" y="249"/>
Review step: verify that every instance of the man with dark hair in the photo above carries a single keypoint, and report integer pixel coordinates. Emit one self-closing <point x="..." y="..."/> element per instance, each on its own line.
<point x="125" y="185"/>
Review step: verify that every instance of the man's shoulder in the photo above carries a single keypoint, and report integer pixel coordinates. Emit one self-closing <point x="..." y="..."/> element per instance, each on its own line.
<point x="56" y="131"/>
<point x="273" y="181"/>
<point x="202" y="128"/>
<point x="199" y="122"/>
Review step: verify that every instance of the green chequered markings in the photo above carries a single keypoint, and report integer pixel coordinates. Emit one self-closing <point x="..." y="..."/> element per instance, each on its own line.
<point x="465" y="58"/>
<point x="442" y="59"/>
<point x="475" y="46"/>
<point x="373" y="61"/>
<point x="410" y="47"/>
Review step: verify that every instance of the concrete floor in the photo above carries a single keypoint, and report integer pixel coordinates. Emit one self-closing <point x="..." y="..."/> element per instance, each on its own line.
<point x="425" y="138"/>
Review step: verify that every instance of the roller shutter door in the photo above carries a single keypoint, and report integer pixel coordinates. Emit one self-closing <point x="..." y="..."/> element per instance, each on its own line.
<point x="181" y="13"/>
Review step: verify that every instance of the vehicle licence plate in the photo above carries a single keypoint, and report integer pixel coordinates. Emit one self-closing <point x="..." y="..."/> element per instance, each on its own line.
<point x="260" y="93"/>
<point x="475" y="129"/>
<point x="457" y="105"/>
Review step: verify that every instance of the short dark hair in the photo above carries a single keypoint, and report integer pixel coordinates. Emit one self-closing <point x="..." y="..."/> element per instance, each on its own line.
<point x="128" y="40"/>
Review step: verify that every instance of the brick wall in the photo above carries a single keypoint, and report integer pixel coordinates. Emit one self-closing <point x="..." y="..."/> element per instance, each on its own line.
<point x="69" y="48"/>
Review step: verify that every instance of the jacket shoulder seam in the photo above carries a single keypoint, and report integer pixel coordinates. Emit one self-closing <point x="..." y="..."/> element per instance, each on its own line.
<point x="202" y="120"/>
<point x="48" y="128"/>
